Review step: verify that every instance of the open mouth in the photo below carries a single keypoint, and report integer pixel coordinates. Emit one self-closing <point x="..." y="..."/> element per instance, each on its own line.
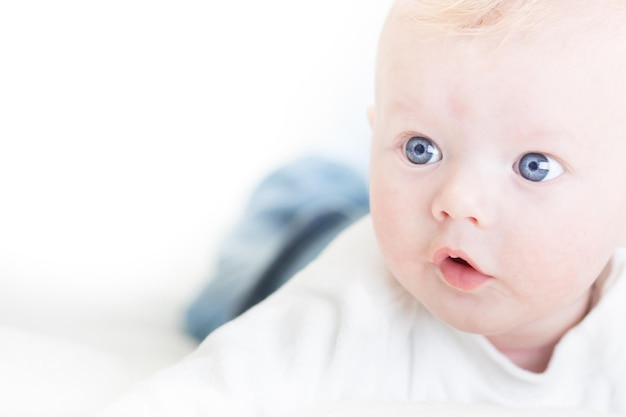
<point x="460" y="261"/>
<point x="458" y="271"/>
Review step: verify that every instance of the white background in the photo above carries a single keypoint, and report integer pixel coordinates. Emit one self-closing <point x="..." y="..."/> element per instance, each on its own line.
<point x="132" y="132"/>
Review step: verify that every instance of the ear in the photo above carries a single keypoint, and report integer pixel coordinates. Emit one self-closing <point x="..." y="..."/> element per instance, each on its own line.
<point x="371" y="116"/>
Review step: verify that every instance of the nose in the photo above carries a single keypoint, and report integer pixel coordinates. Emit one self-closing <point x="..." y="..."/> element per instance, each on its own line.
<point x="463" y="196"/>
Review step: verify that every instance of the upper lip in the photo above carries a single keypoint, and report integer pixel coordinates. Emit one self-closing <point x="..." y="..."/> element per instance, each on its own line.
<point x="444" y="253"/>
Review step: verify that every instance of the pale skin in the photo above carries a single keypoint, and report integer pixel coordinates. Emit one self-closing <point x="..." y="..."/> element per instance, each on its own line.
<point x="482" y="105"/>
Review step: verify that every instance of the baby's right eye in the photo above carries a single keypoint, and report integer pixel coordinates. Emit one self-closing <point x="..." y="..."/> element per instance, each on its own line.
<point x="422" y="151"/>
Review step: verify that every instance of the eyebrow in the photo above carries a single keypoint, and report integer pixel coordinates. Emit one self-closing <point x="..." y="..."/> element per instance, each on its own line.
<point x="410" y="109"/>
<point x="541" y="131"/>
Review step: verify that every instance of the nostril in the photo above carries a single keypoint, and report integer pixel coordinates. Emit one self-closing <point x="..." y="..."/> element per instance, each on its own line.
<point x="457" y="202"/>
<point x="443" y="215"/>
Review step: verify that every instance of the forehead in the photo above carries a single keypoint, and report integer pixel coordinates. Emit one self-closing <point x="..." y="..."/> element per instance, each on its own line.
<point x="497" y="16"/>
<point x="561" y="24"/>
<point x="557" y="23"/>
<point x="576" y="61"/>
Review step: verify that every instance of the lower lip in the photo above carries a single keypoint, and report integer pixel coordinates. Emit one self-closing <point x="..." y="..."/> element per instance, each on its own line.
<point x="462" y="277"/>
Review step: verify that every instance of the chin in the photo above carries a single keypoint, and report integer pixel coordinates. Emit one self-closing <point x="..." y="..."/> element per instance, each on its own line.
<point x="484" y="326"/>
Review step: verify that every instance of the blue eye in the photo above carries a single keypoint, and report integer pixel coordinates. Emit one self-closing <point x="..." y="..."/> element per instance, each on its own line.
<point x="538" y="167"/>
<point x="421" y="151"/>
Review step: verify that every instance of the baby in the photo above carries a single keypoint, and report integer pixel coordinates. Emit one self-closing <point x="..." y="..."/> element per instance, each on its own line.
<point x="489" y="271"/>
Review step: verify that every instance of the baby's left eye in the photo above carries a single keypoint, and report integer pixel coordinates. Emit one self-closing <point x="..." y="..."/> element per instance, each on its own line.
<point x="538" y="167"/>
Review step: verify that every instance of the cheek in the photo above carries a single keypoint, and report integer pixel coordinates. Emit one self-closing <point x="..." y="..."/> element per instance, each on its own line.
<point x="401" y="224"/>
<point x="398" y="201"/>
<point x="388" y="208"/>
<point x="554" y="258"/>
<point x="386" y="197"/>
<point x="389" y="218"/>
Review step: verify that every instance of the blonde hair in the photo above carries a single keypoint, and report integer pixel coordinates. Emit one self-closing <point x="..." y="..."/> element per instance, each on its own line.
<point x="471" y="17"/>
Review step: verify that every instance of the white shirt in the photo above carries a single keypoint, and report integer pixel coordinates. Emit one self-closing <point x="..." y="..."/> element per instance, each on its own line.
<point x="343" y="329"/>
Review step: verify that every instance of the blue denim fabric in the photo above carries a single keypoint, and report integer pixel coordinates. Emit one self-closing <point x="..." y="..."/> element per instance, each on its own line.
<point x="293" y="214"/>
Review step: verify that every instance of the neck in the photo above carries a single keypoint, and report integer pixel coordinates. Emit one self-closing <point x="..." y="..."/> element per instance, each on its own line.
<point x="531" y="346"/>
<point x="534" y="359"/>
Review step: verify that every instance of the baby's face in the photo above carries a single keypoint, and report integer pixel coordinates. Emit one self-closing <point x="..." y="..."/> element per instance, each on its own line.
<point x="507" y="154"/>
